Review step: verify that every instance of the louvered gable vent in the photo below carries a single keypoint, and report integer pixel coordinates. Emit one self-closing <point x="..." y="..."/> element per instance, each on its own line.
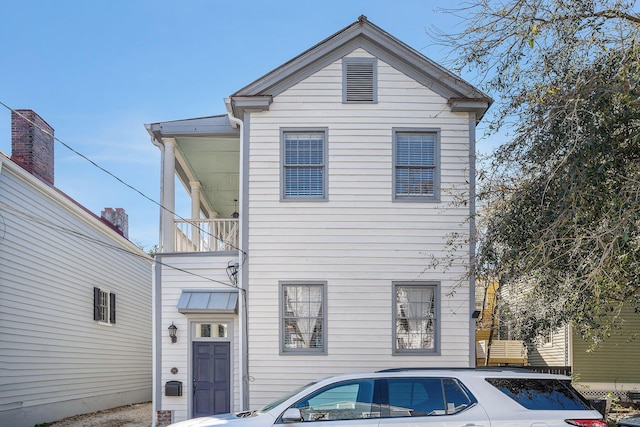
<point x="359" y="80"/>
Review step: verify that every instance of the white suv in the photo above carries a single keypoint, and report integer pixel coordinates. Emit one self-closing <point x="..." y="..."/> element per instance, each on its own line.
<point x="424" y="398"/>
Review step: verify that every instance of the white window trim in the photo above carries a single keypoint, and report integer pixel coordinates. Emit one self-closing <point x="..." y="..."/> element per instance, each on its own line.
<point x="437" y="171"/>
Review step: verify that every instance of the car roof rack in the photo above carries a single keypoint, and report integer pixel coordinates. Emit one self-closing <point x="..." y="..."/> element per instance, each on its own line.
<point x="479" y="368"/>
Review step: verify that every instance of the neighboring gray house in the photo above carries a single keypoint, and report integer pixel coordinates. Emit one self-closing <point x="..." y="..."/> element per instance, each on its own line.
<point x="318" y="202"/>
<point x="75" y="294"/>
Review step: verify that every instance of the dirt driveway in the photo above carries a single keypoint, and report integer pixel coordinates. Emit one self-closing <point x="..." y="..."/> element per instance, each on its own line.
<point x="138" y="415"/>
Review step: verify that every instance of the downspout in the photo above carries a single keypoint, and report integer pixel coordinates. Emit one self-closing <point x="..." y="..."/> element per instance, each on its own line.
<point x="155" y="293"/>
<point x="160" y="146"/>
<point x="243" y="318"/>
<point x="472" y="243"/>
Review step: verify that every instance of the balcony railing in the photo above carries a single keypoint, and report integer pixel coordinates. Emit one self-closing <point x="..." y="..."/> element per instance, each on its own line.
<point x="206" y="235"/>
<point x="501" y="352"/>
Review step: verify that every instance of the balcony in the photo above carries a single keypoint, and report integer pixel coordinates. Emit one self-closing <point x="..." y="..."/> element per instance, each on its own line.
<point x="206" y="235"/>
<point x="501" y="352"/>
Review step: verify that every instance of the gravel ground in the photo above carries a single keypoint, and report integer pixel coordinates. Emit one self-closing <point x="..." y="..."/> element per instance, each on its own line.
<point x="138" y="415"/>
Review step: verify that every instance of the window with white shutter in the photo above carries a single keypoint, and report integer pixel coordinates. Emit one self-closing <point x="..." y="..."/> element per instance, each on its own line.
<point x="359" y="80"/>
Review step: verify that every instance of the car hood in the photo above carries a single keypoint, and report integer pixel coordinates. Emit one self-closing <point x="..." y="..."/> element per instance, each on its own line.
<point x="220" y="419"/>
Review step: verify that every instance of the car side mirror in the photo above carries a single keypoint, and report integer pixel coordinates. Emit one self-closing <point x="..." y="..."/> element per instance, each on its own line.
<point x="292" y="415"/>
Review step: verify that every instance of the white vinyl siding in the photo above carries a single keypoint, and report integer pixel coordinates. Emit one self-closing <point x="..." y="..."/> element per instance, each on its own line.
<point x="57" y="360"/>
<point x="185" y="271"/>
<point x="553" y="351"/>
<point x="360" y="240"/>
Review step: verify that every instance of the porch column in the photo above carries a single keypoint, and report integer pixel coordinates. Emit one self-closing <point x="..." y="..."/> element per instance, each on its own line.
<point x="168" y="194"/>
<point x="195" y="213"/>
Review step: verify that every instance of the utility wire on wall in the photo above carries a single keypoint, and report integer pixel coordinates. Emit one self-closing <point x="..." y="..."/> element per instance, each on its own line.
<point x="55" y="227"/>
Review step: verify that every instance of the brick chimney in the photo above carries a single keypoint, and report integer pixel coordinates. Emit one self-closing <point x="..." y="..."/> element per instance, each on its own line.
<point x="32" y="144"/>
<point x="118" y="218"/>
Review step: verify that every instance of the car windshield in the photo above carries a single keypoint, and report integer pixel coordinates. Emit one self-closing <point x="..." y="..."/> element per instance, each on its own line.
<point x="272" y="405"/>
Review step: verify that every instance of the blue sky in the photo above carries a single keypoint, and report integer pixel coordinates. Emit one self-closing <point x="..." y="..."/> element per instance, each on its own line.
<point x="97" y="71"/>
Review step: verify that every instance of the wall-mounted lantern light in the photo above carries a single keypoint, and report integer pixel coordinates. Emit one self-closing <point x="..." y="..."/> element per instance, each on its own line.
<point x="232" y="272"/>
<point x="172" y="332"/>
<point x="235" y="213"/>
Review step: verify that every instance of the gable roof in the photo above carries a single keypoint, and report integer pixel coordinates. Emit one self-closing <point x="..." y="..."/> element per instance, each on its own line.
<point x="460" y="95"/>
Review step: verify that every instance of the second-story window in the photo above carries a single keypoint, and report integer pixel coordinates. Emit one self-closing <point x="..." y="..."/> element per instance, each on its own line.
<point x="304" y="172"/>
<point x="416" y="165"/>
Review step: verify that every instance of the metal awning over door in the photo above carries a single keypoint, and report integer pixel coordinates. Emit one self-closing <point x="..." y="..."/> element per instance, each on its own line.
<point x="210" y="301"/>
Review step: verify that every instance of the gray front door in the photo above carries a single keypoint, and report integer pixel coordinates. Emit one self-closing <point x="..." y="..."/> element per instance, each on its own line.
<point x="211" y="378"/>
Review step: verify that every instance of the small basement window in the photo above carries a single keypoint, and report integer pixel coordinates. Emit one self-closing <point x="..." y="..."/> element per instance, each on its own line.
<point x="359" y="80"/>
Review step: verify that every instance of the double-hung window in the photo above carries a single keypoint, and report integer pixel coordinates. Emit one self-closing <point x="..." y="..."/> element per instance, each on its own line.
<point x="104" y="306"/>
<point x="416" y="164"/>
<point x="303" y="320"/>
<point x="415" y="312"/>
<point x="304" y="168"/>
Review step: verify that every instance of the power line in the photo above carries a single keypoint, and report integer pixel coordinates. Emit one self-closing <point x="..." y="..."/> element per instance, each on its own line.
<point x="121" y="180"/>
<point x="55" y="227"/>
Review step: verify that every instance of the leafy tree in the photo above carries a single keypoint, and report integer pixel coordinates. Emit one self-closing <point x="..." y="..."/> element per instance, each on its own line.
<point x="560" y="198"/>
<point x="153" y="251"/>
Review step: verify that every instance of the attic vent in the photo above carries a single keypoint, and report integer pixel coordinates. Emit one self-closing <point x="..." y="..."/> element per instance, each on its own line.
<point x="359" y="80"/>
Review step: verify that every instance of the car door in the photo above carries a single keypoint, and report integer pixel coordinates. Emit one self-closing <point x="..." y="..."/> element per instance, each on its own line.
<point x="429" y="402"/>
<point x="345" y="404"/>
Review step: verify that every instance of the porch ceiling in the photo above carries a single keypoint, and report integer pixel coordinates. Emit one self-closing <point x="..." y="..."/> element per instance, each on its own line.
<point x="214" y="161"/>
<point x="208" y="152"/>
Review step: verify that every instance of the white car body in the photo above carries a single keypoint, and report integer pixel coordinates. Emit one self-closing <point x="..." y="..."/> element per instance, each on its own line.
<point x="316" y="405"/>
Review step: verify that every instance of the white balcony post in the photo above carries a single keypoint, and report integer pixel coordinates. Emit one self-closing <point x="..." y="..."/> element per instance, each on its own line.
<point x="168" y="194"/>
<point x="195" y="213"/>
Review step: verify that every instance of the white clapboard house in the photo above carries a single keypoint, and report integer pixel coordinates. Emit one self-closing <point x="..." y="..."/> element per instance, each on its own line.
<point x="322" y="203"/>
<point x="75" y="294"/>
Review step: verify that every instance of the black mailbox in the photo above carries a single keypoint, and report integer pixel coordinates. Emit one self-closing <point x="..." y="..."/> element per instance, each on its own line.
<point x="173" y="388"/>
